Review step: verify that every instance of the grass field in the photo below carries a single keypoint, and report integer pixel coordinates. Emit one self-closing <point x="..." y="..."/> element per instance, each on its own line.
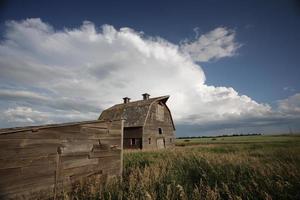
<point x="239" y="139"/>
<point x="247" y="167"/>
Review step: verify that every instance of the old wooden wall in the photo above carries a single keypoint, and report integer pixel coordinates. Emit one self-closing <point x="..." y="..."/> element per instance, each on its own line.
<point x="159" y="118"/>
<point x="52" y="157"/>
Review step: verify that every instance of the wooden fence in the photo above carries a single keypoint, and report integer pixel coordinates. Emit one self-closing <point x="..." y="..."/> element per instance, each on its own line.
<point x="52" y="157"/>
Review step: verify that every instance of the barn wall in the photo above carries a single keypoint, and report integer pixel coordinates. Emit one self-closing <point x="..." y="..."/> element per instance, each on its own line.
<point x="159" y="117"/>
<point x="51" y="158"/>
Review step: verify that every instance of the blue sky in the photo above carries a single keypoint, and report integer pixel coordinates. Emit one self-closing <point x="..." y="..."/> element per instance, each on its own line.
<point x="264" y="64"/>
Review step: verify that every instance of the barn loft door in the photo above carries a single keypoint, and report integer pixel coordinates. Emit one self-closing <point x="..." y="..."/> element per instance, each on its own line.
<point x="160" y="112"/>
<point x="160" y="143"/>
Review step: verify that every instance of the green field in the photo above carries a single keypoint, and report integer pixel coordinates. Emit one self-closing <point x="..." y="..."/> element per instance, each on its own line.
<point x="247" y="167"/>
<point x="239" y="139"/>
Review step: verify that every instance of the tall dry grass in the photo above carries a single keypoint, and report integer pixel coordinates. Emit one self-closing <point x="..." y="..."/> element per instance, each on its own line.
<point x="219" y="171"/>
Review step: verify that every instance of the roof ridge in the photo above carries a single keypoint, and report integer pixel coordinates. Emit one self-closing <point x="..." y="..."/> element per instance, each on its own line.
<point x="141" y="100"/>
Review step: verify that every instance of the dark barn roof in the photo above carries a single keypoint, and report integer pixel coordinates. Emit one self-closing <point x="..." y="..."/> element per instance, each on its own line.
<point x="135" y="113"/>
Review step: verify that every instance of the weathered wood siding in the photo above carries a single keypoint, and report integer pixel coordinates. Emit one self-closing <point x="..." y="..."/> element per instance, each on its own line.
<point x="159" y="117"/>
<point x="52" y="157"/>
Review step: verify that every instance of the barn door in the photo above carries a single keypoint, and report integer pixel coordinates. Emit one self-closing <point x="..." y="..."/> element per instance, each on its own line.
<point x="160" y="143"/>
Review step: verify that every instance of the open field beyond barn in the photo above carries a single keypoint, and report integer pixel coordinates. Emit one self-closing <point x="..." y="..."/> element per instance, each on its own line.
<point x="247" y="167"/>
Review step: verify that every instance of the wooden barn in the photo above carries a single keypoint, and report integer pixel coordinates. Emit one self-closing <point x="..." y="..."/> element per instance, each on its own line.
<point x="148" y="122"/>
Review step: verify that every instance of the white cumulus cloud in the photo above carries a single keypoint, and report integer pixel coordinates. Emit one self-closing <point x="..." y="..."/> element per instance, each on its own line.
<point x="21" y="114"/>
<point x="290" y="105"/>
<point x="216" y="44"/>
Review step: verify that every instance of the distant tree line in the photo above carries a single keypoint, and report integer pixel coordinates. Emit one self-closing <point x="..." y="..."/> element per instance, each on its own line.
<point x="233" y="135"/>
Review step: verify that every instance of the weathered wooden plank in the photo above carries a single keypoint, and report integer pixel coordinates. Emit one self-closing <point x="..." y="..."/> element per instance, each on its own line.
<point x="101" y="133"/>
<point x="85" y="174"/>
<point x="114" y="132"/>
<point x="31" y="151"/>
<point x="16" y="143"/>
<point x="76" y="146"/>
<point x="76" y="154"/>
<point x="97" y="126"/>
<point x="111" y="141"/>
<point x="27" y="161"/>
<point x="40" y="134"/>
<point x="115" y="125"/>
<point x="93" y="131"/>
<point x="47" y="126"/>
<point x="8" y="174"/>
<point x="102" y="163"/>
<point x="48" y="147"/>
<point x="62" y="134"/>
<point x="78" y="162"/>
<point x="105" y="153"/>
<point x="102" y="147"/>
<point x="10" y="143"/>
<point x="28" y="187"/>
<point x="53" y="134"/>
<point x="14" y="175"/>
<point x="81" y="170"/>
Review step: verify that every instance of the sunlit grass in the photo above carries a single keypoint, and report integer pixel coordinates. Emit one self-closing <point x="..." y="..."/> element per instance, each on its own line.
<point x="256" y="170"/>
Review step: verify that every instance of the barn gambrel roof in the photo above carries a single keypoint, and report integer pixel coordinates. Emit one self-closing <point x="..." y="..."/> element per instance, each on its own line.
<point x="135" y="113"/>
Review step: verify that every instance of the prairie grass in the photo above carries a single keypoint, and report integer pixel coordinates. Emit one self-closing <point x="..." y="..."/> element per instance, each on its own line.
<point x="257" y="170"/>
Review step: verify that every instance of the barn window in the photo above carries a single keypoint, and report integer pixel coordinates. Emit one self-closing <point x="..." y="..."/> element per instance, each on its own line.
<point x="170" y="140"/>
<point x="132" y="141"/>
<point x="160" y="131"/>
<point x="149" y="139"/>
